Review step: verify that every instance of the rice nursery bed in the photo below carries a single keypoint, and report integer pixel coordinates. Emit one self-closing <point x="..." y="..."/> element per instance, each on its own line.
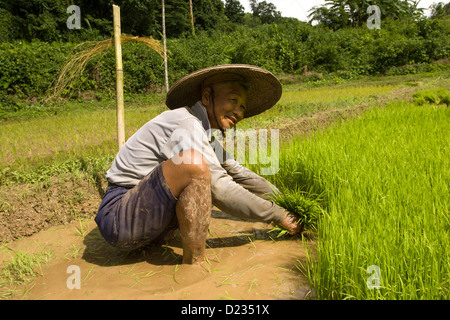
<point x="383" y="181"/>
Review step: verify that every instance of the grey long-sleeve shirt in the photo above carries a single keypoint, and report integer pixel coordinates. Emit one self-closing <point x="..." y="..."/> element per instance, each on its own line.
<point x="235" y="189"/>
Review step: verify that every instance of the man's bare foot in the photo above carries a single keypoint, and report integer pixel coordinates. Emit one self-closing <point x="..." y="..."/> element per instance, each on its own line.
<point x="193" y="254"/>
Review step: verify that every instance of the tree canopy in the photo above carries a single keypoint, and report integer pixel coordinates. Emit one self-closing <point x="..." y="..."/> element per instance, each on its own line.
<point x="265" y="11"/>
<point x="440" y="10"/>
<point x="45" y="20"/>
<point x="337" y="14"/>
<point x="234" y="11"/>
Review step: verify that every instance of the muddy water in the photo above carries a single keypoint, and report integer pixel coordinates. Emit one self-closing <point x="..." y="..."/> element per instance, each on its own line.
<point x="242" y="262"/>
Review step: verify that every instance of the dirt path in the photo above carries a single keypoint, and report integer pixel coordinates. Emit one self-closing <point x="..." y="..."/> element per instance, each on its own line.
<point x="243" y="263"/>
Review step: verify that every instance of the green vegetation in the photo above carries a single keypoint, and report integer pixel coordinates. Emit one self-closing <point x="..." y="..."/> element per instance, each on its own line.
<point x="432" y="96"/>
<point x="28" y="69"/>
<point x="338" y="14"/>
<point x="384" y="178"/>
<point x="306" y="209"/>
<point x="373" y="189"/>
<point x="23" y="266"/>
<point x="67" y="134"/>
<point x="31" y="58"/>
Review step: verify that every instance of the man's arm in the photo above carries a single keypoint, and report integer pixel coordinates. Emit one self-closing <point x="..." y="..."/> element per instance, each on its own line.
<point x="250" y="180"/>
<point x="260" y="187"/>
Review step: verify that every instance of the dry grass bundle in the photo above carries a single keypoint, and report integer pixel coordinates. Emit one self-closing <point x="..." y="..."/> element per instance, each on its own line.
<point x="74" y="67"/>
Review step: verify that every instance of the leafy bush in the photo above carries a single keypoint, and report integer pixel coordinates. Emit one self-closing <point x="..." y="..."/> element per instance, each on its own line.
<point x="28" y="69"/>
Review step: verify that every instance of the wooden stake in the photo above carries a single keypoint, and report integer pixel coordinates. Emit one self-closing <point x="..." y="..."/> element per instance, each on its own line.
<point x="191" y="13"/>
<point x="119" y="78"/>
<point x="164" y="46"/>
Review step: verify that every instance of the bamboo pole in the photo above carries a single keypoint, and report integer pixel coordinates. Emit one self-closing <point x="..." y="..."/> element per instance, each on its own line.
<point x="119" y="78"/>
<point x="191" y="13"/>
<point x="164" y="46"/>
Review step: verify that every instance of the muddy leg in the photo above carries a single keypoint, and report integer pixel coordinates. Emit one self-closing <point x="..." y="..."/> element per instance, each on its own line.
<point x="193" y="213"/>
<point x="190" y="182"/>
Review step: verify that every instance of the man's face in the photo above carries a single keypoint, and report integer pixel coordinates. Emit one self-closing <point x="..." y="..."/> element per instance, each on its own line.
<point x="230" y="101"/>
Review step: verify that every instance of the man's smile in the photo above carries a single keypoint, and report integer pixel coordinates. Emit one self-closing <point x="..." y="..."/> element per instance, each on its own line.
<point x="232" y="119"/>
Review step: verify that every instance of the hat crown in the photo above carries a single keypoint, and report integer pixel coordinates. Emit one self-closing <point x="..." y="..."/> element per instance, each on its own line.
<point x="263" y="88"/>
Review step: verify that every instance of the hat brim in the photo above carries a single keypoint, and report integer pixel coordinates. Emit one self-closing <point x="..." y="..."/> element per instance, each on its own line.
<point x="264" y="89"/>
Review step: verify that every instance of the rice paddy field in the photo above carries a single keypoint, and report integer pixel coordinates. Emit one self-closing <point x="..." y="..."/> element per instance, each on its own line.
<point x="377" y="180"/>
<point x="67" y="129"/>
<point x="384" y="179"/>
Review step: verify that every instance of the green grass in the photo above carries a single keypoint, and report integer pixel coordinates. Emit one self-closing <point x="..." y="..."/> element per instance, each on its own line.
<point x="22" y="267"/>
<point x="63" y="130"/>
<point x="385" y="180"/>
<point x="92" y="133"/>
<point x="65" y="133"/>
<point x="436" y="96"/>
<point x="298" y="101"/>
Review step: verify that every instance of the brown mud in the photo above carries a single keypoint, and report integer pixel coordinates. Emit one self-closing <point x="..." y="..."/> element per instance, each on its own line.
<point x="242" y="261"/>
<point x="26" y="209"/>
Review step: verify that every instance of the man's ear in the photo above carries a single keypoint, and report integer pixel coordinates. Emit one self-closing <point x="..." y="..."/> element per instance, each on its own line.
<point x="206" y="97"/>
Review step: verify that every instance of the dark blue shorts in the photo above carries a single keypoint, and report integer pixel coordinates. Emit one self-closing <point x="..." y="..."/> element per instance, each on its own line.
<point x="131" y="218"/>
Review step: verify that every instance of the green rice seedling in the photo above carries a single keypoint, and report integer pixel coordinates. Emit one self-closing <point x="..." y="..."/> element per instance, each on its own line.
<point x="253" y="282"/>
<point x="82" y="230"/>
<point x="425" y="96"/>
<point x="385" y="182"/>
<point x="138" y="276"/>
<point x="6" y="207"/>
<point x="444" y="96"/>
<point x="177" y="266"/>
<point x="259" y="265"/>
<point x="307" y="210"/>
<point x="226" y="296"/>
<point x="87" y="275"/>
<point x="214" y="252"/>
<point x="251" y="241"/>
<point x="297" y="102"/>
<point x="327" y="94"/>
<point x="23" y="266"/>
<point x="74" y="251"/>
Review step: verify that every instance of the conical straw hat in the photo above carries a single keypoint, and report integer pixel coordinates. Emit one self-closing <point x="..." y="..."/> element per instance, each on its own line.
<point x="263" y="88"/>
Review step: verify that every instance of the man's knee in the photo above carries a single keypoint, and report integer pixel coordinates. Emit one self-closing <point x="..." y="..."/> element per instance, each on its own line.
<point x="181" y="169"/>
<point x="193" y="163"/>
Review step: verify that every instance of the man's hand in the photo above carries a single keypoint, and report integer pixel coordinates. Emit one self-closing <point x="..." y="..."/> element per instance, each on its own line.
<point x="290" y="223"/>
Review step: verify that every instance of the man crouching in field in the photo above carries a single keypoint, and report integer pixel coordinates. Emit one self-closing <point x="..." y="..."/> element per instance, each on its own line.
<point x="172" y="170"/>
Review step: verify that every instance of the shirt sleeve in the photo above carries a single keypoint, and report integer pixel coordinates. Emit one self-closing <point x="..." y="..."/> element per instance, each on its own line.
<point x="250" y="180"/>
<point x="244" y="194"/>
